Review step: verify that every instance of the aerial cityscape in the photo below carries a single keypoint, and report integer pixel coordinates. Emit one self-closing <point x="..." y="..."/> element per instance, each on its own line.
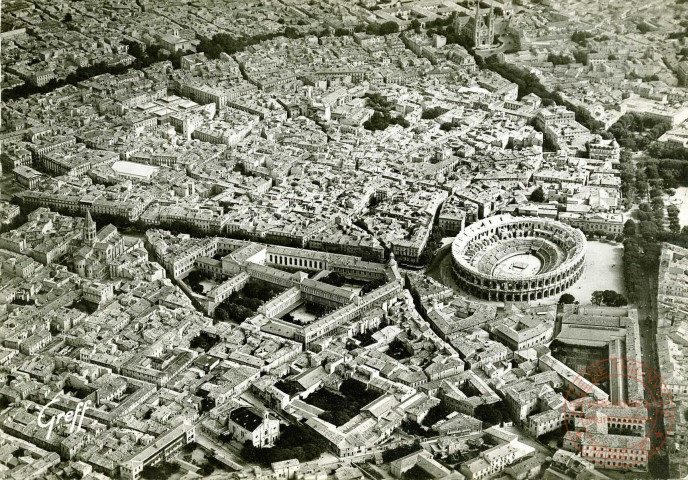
<point x="344" y="239"/>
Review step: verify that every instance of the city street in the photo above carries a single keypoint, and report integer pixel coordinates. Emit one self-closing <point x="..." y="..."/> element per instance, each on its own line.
<point x="647" y="318"/>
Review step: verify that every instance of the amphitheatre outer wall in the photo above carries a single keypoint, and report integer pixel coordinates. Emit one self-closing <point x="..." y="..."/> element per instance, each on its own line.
<point x="480" y="248"/>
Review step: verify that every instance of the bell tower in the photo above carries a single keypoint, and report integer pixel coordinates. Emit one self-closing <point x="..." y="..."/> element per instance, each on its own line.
<point x="89" y="231"/>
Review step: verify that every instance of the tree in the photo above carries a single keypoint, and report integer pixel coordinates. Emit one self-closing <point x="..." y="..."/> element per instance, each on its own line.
<point x="376" y="122"/>
<point x="641" y="262"/>
<point x="399" y="120"/>
<point x="220" y="314"/>
<point x="401" y="451"/>
<point x="384" y="29"/>
<point x="674" y="224"/>
<point x="206" y="469"/>
<point x="629" y="228"/>
<point x="581" y="37"/>
<point x="538" y="195"/>
<point x="416" y="473"/>
<point x="609" y="298"/>
<point x="620" y="301"/>
<point x="372" y="285"/>
<point x="161" y="470"/>
<point x="432" y="113"/>
<point x="493" y="414"/>
<point x="567" y="299"/>
<point x="67" y="18"/>
<point x="581" y="56"/>
<point x="335" y="279"/>
<point x="291" y="32"/>
<point x="648" y="229"/>
<point x="295" y="441"/>
<point x="643" y="28"/>
<point x="613" y="299"/>
<point x="558" y="59"/>
<point x="415" y="25"/>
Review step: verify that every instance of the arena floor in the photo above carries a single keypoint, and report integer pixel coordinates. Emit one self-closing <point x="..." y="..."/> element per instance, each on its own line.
<point x="521" y="265"/>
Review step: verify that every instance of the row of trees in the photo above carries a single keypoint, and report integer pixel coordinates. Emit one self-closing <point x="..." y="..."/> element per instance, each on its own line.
<point x="627" y="176"/>
<point x="144" y="58"/>
<point x="226" y="43"/>
<point x="433" y="25"/>
<point x="433" y="245"/>
<point x="82" y="73"/>
<point x="602" y="234"/>
<point x="668" y="150"/>
<point x="652" y="212"/>
<point x="529" y="83"/>
<point x="672" y="215"/>
<point x="671" y="172"/>
<point x="641" y="257"/>
<point x="382" y="29"/>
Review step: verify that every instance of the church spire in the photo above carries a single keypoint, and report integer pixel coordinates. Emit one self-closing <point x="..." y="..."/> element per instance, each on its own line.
<point x="89" y="232"/>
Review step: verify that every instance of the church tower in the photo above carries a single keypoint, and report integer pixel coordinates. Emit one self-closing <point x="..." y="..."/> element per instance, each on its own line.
<point x="89" y="232"/>
<point x="482" y="30"/>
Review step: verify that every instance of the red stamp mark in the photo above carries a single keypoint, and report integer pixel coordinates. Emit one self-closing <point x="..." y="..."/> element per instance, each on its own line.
<point x="618" y="413"/>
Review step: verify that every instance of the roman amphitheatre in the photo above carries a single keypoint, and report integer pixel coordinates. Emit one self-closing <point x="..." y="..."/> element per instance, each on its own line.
<point x="505" y="258"/>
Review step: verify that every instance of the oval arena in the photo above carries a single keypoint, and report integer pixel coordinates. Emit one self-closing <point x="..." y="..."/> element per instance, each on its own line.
<point x="518" y="259"/>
